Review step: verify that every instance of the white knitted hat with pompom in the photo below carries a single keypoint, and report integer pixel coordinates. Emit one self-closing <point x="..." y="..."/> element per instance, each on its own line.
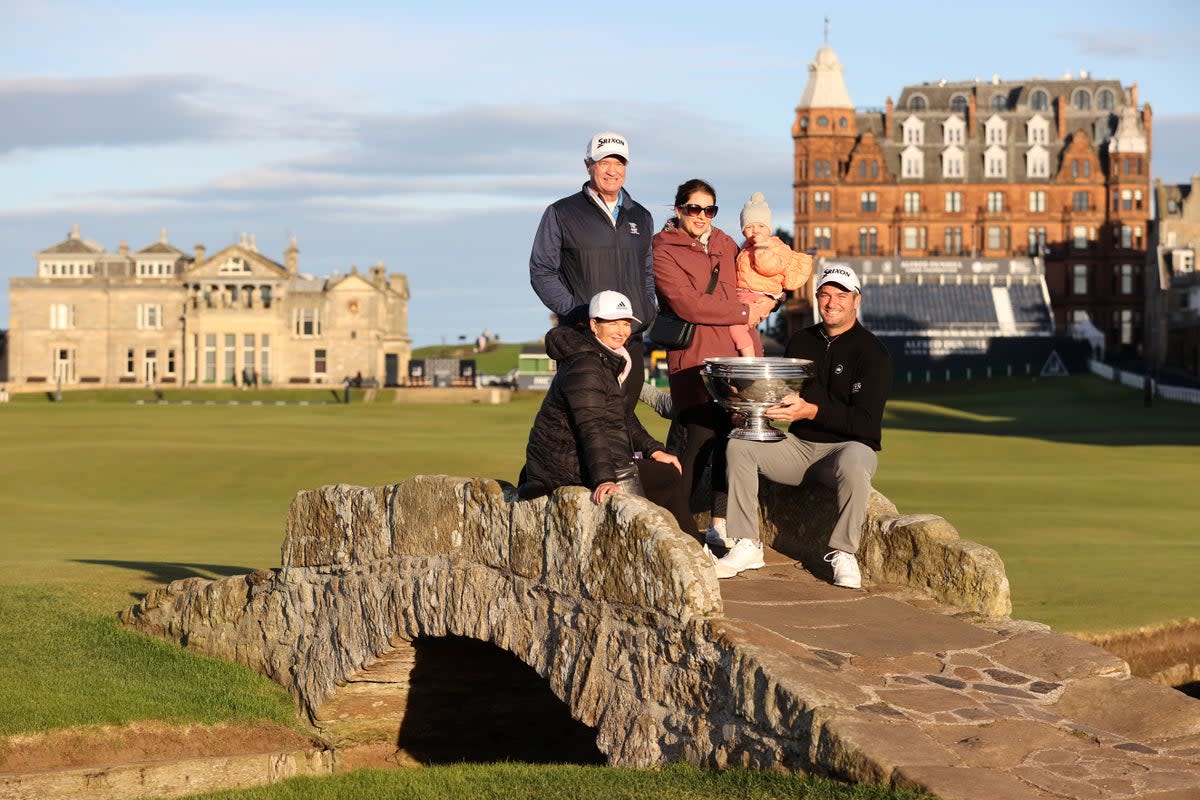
<point x="756" y="210"/>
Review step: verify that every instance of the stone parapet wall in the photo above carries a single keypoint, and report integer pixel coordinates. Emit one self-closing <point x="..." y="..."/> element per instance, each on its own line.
<point x="923" y="552"/>
<point x="612" y="605"/>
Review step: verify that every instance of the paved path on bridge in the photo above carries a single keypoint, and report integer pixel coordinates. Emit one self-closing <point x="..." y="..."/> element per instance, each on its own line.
<point x="962" y="708"/>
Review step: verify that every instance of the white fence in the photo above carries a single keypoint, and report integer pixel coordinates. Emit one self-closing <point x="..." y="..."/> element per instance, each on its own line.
<point x="1136" y="380"/>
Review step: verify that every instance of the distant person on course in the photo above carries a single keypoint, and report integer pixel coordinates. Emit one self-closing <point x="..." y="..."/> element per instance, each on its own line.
<point x="598" y="238"/>
<point x="835" y="430"/>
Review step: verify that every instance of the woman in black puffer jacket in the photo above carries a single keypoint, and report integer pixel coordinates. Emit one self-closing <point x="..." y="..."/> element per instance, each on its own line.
<point x="583" y="435"/>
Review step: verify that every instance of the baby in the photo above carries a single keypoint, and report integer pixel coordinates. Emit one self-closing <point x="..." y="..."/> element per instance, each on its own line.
<point x="765" y="266"/>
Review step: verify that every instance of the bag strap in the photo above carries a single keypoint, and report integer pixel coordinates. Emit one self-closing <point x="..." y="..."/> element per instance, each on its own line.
<point x="712" y="282"/>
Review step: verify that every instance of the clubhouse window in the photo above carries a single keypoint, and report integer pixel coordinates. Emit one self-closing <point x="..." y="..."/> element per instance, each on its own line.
<point x="308" y="322"/>
<point x="1079" y="279"/>
<point x="954" y="241"/>
<point x="868" y="241"/>
<point x="62" y="316"/>
<point x="914" y="237"/>
<point x="210" y="358"/>
<point x="1079" y="237"/>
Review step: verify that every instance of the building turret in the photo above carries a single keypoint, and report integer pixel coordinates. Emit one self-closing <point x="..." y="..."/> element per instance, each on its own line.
<point x="291" y="257"/>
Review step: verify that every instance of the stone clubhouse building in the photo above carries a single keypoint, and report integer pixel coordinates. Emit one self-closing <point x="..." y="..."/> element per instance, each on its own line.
<point x="160" y="317"/>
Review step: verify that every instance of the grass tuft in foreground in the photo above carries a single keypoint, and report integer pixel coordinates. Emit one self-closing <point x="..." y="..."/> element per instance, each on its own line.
<point x="65" y="667"/>
<point x="511" y="780"/>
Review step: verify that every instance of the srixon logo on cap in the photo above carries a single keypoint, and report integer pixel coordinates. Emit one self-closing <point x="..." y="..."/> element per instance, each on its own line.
<point x="836" y="271"/>
<point x="610" y="140"/>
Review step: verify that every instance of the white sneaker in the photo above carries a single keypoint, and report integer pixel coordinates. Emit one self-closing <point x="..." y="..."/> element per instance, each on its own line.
<point x="845" y="569"/>
<point x="715" y="535"/>
<point x="745" y="554"/>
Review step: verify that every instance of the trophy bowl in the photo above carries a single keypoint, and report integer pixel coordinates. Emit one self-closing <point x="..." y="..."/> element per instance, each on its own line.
<point x="749" y="385"/>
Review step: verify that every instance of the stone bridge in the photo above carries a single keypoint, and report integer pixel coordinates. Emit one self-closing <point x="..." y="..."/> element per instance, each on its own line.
<point x="441" y="619"/>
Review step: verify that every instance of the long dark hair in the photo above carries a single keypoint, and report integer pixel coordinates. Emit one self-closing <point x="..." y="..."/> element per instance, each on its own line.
<point x="686" y="189"/>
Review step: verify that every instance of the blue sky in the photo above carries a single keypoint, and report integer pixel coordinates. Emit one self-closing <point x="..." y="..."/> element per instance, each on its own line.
<point x="431" y="139"/>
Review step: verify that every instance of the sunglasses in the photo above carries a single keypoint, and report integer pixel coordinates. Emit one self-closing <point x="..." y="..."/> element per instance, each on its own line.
<point x="693" y="210"/>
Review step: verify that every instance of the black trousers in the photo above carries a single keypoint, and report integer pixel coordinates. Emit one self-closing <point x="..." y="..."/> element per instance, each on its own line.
<point x="664" y="485"/>
<point x="632" y="388"/>
<point x="706" y="428"/>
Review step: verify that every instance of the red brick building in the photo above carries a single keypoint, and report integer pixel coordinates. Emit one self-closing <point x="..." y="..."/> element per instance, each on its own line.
<point x="1056" y="170"/>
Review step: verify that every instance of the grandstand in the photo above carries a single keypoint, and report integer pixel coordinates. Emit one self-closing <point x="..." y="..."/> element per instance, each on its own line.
<point x="959" y="318"/>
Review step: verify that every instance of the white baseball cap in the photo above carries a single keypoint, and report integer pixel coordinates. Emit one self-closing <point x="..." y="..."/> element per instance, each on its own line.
<point x="607" y="143"/>
<point x="842" y="275"/>
<point x="609" y="305"/>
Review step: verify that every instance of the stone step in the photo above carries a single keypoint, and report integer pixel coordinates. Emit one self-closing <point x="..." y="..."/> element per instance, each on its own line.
<point x="167" y="777"/>
<point x="917" y="695"/>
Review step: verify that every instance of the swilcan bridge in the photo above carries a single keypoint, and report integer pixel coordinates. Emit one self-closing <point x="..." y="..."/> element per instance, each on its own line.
<point x="419" y="616"/>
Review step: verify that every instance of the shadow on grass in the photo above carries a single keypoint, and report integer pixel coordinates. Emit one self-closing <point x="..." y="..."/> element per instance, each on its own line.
<point x="166" y="571"/>
<point x="1076" y="409"/>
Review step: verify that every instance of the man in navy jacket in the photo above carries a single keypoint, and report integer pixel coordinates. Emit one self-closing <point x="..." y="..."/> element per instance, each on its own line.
<point x="835" y="430"/>
<point x="597" y="239"/>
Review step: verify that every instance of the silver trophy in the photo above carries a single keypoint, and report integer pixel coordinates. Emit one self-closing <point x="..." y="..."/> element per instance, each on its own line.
<point x="749" y="385"/>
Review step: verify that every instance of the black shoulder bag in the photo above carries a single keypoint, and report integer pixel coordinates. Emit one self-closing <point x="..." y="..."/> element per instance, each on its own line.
<point x="669" y="331"/>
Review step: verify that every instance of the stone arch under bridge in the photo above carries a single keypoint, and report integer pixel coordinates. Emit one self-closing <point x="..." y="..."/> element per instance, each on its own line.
<point x="922" y="680"/>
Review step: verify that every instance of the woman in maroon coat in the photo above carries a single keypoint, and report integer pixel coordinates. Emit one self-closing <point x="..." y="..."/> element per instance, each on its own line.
<point x="686" y="252"/>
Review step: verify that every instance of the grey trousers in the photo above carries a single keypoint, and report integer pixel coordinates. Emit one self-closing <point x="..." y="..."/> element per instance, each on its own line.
<point x="845" y="466"/>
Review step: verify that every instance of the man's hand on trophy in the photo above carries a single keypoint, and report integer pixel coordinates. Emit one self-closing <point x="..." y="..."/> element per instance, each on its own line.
<point x="790" y="409"/>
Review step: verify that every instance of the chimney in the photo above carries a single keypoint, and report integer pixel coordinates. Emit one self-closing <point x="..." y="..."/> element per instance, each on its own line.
<point x="972" y="121"/>
<point x="123" y="248"/>
<point x="162" y="235"/>
<point x="1147" y="126"/>
<point x="199" y="253"/>
<point x="1060" y="111"/>
<point x="888" y="119"/>
<point x="291" y="257"/>
<point x="74" y="231"/>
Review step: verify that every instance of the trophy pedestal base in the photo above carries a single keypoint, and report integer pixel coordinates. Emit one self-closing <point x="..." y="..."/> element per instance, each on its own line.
<point x="757" y="431"/>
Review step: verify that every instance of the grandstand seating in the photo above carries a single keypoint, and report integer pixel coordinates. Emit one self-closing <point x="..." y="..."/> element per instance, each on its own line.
<point x="953" y="308"/>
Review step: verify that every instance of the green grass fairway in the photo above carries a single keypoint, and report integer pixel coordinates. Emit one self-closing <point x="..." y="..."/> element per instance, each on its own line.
<point x="565" y="782"/>
<point x="1090" y="498"/>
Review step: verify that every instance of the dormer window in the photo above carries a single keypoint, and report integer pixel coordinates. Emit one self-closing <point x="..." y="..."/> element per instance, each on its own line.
<point x="996" y="130"/>
<point x="912" y="162"/>
<point x="958" y="104"/>
<point x="1037" y="162"/>
<point x="952" y="130"/>
<point x="999" y="102"/>
<point x="917" y="103"/>
<point x="1037" y="130"/>
<point x="995" y="162"/>
<point x="1104" y="100"/>
<point x="914" y="131"/>
<point x="1081" y="100"/>
<point x="1039" y="100"/>
<point x="952" y="162"/>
